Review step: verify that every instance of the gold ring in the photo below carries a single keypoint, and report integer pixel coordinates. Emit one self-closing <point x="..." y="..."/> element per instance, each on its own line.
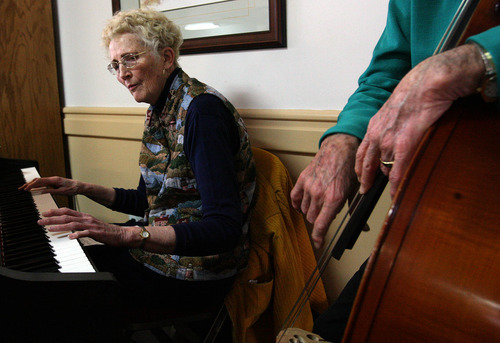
<point x="388" y="164"/>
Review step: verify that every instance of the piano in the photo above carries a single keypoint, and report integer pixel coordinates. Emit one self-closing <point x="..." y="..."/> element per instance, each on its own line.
<point x="49" y="289"/>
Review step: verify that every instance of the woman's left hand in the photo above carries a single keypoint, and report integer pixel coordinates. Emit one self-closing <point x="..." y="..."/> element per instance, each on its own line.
<point x="83" y="225"/>
<point x="421" y="97"/>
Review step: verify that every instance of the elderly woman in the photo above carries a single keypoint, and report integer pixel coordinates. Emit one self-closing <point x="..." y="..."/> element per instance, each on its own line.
<point x="197" y="178"/>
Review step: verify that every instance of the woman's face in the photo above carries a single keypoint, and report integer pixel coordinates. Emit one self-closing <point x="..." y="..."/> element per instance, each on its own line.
<point x="146" y="79"/>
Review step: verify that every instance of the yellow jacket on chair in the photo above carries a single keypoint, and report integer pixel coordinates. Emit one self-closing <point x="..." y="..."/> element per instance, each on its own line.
<point x="281" y="259"/>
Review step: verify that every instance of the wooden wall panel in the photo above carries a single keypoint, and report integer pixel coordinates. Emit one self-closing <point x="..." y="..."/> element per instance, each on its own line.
<point x="31" y="123"/>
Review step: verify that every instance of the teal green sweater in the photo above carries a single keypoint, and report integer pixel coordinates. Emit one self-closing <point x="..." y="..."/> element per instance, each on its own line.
<point x="413" y="31"/>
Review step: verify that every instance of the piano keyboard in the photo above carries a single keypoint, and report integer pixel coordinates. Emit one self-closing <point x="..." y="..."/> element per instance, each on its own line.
<point x="27" y="246"/>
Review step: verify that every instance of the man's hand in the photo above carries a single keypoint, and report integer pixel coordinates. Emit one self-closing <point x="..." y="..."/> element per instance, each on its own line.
<point x="421" y="97"/>
<point x="323" y="187"/>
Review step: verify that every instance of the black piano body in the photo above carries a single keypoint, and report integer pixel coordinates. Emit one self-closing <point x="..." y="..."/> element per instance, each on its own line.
<point x="57" y="307"/>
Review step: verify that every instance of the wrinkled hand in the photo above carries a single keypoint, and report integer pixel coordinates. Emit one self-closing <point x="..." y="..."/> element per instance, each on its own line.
<point x="54" y="185"/>
<point x="421" y="97"/>
<point x="83" y="225"/>
<point x="323" y="187"/>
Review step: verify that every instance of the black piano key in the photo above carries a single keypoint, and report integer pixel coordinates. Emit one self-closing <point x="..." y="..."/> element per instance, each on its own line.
<point x="47" y="268"/>
<point x="13" y="248"/>
<point x="36" y="266"/>
<point x="24" y="244"/>
<point x="34" y="249"/>
<point x="14" y="211"/>
<point x="19" y="225"/>
<point x="30" y="264"/>
<point x="21" y="249"/>
<point x="33" y="237"/>
<point x="20" y="231"/>
<point x="27" y="256"/>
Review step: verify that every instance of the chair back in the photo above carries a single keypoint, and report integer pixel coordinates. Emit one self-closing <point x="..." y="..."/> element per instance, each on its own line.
<point x="281" y="259"/>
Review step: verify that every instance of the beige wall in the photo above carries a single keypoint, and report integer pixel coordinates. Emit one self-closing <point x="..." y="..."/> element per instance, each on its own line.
<point x="104" y="145"/>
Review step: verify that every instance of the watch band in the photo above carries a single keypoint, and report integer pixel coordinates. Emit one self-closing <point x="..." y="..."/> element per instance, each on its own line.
<point x="488" y="88"/>
<point x="144" y="235"/>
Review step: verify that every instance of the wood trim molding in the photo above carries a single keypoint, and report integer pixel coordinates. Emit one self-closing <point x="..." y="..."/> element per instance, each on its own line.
<point x="269" y="114"/>
<point x="126" y="111"/>
<point x="286" y="130"/>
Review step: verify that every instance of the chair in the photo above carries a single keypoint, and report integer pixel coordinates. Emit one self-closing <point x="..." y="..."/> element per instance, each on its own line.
<point x="281" y="258"/>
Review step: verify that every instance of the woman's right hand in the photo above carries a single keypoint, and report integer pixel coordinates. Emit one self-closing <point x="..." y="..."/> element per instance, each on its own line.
<point x="54" y="185"/>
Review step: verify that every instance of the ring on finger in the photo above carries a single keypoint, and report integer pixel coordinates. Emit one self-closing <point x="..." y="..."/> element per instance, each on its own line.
<point x="387" y="164"/>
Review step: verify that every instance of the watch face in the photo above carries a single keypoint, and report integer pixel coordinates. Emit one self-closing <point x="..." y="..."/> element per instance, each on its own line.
<point x="144" y="234"/>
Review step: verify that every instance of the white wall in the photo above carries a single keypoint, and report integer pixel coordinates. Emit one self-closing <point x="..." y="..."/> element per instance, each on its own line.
<point x="329" y="45"/>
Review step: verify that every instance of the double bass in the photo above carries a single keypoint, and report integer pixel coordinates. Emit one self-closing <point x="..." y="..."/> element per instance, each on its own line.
<point x="434" y="273"/>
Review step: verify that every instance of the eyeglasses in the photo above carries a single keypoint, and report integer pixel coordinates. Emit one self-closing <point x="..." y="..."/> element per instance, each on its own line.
<point x="129" y="61"/>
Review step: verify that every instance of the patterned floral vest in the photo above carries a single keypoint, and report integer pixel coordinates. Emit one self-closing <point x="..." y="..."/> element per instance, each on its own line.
<point x="172" y="190"/>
